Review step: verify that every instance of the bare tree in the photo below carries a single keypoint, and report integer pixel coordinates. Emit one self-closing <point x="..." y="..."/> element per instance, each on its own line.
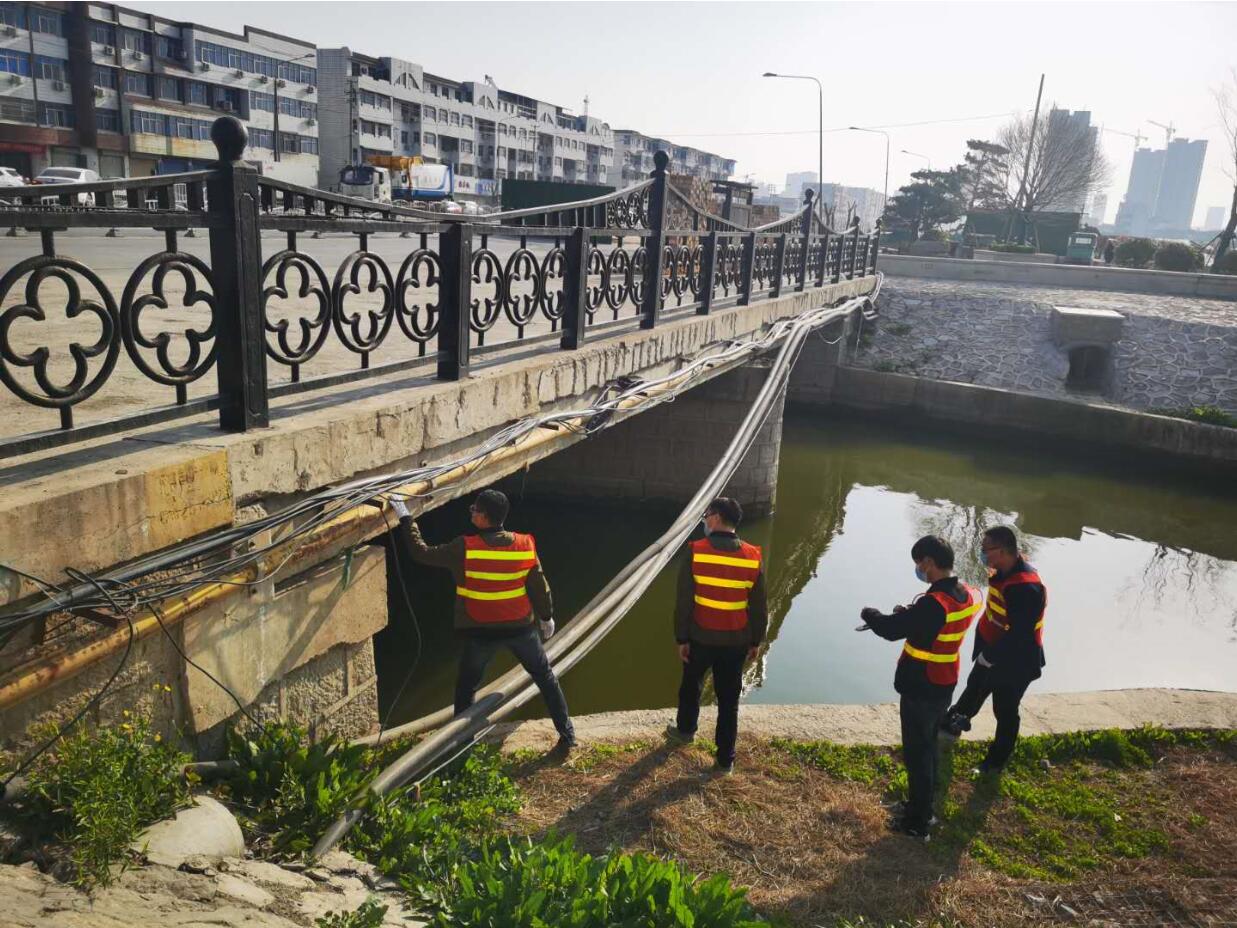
<point x="1226" y="103"/>
<point x="1054" y="163"/>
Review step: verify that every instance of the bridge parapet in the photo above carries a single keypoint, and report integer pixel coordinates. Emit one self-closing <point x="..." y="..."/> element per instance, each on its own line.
<point x="467" y="286"/>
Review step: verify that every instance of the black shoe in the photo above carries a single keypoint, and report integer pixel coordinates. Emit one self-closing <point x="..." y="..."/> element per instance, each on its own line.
<point x="674" y="734"/>
<point x="954" y="725"/>
<point x="566" y="744"/>
<point x="913" y="829"/>
<point x="722" y="769"/>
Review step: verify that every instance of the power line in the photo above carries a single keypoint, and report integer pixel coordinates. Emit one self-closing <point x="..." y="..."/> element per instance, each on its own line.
<point x="892" y="125"/>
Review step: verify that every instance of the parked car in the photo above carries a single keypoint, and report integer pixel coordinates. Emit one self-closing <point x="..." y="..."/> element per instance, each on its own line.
<point x="9" y="177"/>
<point x="69" y="176"/>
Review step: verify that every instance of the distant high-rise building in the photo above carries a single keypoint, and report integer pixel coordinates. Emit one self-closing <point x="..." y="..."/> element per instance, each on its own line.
<point x="1183" y="166"/>
<point x="1076" y="127"/>
<point x="1216" y="217"/>
<point x="1162" y="189"/>
<point x="1098" y="209"/>
<point x="796" y="181"/>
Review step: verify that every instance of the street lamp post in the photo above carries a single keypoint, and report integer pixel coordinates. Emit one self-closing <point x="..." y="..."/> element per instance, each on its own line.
<point x="885" y="189"/>
<point x="820" y="167"/>
<point x="918" y="155"/>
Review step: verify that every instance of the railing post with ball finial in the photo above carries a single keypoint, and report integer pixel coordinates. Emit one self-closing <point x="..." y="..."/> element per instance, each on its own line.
<point x="236" y="278"/>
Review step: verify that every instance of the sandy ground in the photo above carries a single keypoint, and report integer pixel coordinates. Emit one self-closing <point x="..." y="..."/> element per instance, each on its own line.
<point x="878" y="724"/>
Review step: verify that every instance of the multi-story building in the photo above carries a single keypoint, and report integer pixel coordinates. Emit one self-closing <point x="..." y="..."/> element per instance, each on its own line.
<point x="1216" y="217"/>
<point x="1097" y="209"/>
<point x="130" y="94"/>
<point x="1076" y="130"/>
<point x="378" y="108"/>
<point x="797" y="180"/>
<point x="1162" y="189"/>
<point x="633" y="159"/>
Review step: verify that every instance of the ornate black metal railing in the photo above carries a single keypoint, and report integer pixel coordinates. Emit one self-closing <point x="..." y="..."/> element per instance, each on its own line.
<point x="463" y="287"/>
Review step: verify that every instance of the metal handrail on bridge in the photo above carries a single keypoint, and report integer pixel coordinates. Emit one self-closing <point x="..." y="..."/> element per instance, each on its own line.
<point x="614" y="262"/>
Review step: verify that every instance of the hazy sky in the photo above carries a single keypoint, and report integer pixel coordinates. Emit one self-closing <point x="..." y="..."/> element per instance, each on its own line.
<point x="691" y="71"/>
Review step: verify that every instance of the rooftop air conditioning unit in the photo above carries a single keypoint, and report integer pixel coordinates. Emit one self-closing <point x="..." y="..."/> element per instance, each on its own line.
<point x="238" y="73"/>
<point x="138" y="56"/>
<point x="311" y="89"/>
<point x="262" y="78"/>
<point x="310" y="121"/>
<point x="109" y="49"/>
<point x="10" y="30"/>
<point x="14" y="78"/>
<point x="203" y="66"/>
<point x="280" y="83"/>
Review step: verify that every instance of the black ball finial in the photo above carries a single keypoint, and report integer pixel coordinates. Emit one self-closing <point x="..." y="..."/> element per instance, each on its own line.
<point x="661" y="160"/>
<point x="230" y="137"/>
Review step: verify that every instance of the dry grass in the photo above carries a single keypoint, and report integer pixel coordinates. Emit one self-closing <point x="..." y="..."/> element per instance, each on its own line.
<point x="815" y="849"/>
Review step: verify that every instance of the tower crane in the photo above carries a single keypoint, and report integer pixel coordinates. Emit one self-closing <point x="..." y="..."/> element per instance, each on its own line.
<point x="1169" y="131"/>
<point x="1138" y="137"/>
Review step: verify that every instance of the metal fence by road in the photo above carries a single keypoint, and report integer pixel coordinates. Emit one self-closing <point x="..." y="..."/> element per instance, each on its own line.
<point x="575" y="269"/>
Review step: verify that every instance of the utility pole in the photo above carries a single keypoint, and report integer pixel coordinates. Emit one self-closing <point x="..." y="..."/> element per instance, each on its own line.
<point x="1026" y="165"/>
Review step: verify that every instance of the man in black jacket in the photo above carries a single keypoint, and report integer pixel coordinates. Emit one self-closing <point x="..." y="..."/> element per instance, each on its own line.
<point x="1009" y="648"/>
<point x="933" y="627"/>
<point x="720" y="620"/>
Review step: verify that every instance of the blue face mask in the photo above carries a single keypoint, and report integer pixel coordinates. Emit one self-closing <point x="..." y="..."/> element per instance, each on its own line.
<point x="920" y="575"/>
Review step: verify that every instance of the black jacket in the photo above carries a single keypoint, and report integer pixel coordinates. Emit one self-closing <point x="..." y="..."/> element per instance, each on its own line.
<point x="919" y="624"/>
<point x="685" y="605"/>
<point x="451" y="556"/>
<point x="1016" y="657"/>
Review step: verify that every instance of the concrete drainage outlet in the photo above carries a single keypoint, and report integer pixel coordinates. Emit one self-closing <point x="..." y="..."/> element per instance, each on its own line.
<point x="1087" y="336"/>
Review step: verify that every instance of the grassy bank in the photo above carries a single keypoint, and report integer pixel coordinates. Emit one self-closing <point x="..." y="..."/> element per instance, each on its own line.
<point x="644" y="834"/>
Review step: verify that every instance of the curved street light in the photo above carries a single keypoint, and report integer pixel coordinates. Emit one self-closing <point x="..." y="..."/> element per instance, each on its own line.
<point x="820" y="168"/>
<point x="885" y="189"/>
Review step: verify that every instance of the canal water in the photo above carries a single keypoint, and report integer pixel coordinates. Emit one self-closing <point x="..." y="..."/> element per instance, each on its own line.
<point x="1140" y="562"/>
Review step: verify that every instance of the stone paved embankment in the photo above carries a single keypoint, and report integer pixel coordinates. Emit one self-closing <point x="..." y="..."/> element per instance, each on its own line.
<point x="1174" y="352"/>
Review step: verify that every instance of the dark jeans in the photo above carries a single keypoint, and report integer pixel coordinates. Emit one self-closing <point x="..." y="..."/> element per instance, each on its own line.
<point x="1006" y="697"/>
<point x="526" y="646"/>
<point x="727" y="666"/>
<point x="921" y="718"/>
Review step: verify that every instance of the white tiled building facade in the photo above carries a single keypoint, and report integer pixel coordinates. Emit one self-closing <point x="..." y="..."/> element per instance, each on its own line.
<point x="130" y="94"/>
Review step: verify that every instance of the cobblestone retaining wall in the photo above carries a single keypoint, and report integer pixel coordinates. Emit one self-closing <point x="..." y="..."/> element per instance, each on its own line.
<point x="1174" y="351"/>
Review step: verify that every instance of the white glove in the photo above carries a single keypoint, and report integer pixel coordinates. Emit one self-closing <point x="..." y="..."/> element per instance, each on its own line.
<point x="547" y="629"/>
<point x="982" y="661"/>
<point x="399" y="508"/>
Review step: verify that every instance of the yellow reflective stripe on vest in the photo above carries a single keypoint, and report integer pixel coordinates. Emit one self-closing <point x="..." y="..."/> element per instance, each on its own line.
<point x="477" y="554"/>
<point x="1039" y="625"/>
<point x="723" y="581"/>
<point x="994" y="593"/>
<point x="718" y="604"/>
<point x="962" y="613"/>
<point x="999" y="610"/>
<point x="928" y="655"/>
<point x="722" y="559"/>
<point x="482" y="575"/>
<point x="477" y="594"/>
<point x="951" y="636"/>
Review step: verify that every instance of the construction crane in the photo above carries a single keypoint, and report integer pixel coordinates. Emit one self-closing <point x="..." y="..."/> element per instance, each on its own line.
<point x="1169" y="131"/>
<point x="1138" y="137"/>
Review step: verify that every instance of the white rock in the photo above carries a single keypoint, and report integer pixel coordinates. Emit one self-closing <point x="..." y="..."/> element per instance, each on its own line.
<point x="206" y="829"/>
<point x="234" y="887"/>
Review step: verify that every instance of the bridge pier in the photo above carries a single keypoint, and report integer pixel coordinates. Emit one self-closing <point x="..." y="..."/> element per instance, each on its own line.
<point x="665" y="454"/>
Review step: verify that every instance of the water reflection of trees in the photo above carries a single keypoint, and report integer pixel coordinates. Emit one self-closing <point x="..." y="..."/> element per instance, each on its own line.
<point x="963" y="527"/>
<point x="1196" y="586"/>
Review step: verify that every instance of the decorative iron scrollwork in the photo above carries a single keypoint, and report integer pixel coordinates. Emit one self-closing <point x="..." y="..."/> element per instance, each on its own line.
<point x="550" y="297"/>
<point x="52" y="393"/>
<point x="363" y="331"/>
<point x="419" y="273"/>
<point x="521" y="288"/>
<point x="310" y="330"/>
<point x="196" y="362"/>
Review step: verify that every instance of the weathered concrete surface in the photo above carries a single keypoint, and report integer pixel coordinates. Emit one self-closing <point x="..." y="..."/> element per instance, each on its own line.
<point x="236" y="894"/>
<point x="1042" y="713"/>
<point x="666" y="453"/>
<point x="1211" y="286"/>
<point x="1089" y="423"/>
<point x="251" y="641"/>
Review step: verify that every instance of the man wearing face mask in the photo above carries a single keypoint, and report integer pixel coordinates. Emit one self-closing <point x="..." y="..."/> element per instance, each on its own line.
<point x="1009" y="648"/>
<point x="720" y="620"/>
<point x="933" y="627"/>
<point x="502" y="600"/>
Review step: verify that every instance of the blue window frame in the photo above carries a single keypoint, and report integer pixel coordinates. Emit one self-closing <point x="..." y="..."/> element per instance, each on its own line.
<point x="12" y="62"/>
<point x="50" y="69"/>
<point x="169" y="47"/>
<point x="261" y="101"/>
<point x="137" y="83"/>
<point x="107" y="120"/>
<point x="103" y="33"/>
<point x="56" y="115"/>
<point x="104" y="77"/>
<point x="197" y="93"/>
<point x="46" y="21"/>
<point x="13" y="14"/>
<point x="167" y="88"/>
<point x="261" y="138"/>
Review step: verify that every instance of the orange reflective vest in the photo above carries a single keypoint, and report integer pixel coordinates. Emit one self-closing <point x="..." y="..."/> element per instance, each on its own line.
<point x="941" y="658"/>
<point x="722" y="580"/>
<point x="493" y="590"/>
<point x="995" y="623"/>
